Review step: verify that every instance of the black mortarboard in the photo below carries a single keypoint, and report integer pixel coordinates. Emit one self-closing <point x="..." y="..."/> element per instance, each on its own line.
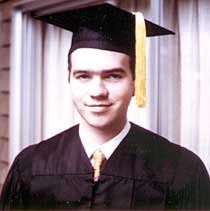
<point x="106" y="27"/>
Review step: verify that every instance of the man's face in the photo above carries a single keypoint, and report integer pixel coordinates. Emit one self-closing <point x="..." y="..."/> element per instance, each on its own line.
<point x="102" y="86"/>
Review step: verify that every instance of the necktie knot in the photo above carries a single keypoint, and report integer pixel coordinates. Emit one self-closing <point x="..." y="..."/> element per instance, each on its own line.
<point x="98" y="158"/>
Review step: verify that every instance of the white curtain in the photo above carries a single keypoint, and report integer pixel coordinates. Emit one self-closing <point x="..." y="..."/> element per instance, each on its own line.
<point x="25" y="83"/>
<point x="162" y="114"/>
<point x="179" y="73"/>
<point x="40" y="101"/>
<point x="195" y="76"/>
<point x="177" y="81"/>
<point x="58" y="111"/>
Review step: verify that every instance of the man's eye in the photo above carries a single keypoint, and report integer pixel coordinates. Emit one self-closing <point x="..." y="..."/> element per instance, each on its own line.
<point x="82" y="77"/>
<point x="114" y="76"/>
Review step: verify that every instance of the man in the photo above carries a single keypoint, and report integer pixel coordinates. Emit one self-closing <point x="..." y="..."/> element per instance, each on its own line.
<point x="132" y="168"/>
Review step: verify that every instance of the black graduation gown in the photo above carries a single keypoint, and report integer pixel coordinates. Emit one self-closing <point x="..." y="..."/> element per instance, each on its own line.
<point x="145" y="172"/>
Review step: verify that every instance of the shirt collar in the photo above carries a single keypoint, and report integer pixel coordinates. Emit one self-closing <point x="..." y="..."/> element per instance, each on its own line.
<point x="108" y="147"/>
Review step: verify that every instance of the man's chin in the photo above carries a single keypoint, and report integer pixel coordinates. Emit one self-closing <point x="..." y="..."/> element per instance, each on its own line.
<point x="99" y="123"/>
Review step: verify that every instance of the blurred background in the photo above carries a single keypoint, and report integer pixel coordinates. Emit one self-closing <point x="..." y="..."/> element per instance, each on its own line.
<point x="35" y="101"/>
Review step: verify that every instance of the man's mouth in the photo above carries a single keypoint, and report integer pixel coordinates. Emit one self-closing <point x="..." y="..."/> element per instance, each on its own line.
<point x="98" y="108"/>
<point x="99" y="105"/>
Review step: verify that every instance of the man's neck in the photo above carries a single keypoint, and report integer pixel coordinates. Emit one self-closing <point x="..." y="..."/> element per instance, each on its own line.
<point x="101" y="135"/>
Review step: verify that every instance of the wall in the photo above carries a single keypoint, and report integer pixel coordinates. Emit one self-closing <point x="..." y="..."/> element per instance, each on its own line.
<point x="5" y="23"/>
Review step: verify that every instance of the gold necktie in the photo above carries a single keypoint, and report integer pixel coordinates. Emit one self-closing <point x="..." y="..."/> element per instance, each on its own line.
<point x="98" y="158"/>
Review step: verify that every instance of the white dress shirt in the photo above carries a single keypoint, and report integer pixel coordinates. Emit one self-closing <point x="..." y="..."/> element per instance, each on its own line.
<point x="108" y="147"/>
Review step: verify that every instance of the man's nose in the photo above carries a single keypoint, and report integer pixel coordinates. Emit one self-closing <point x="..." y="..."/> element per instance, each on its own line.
<point x="98" y="89"/>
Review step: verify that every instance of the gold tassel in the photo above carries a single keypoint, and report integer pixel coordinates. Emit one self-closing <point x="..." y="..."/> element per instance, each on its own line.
<point x="140" y="60"/>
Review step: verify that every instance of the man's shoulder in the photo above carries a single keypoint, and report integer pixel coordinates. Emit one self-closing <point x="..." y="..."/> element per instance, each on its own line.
<point x="47" y="146"/>
<point x="59" y="138"/>
<point x="151" y="141"/>
<point x="155" y="142"/>
<point x="163" y="155"/>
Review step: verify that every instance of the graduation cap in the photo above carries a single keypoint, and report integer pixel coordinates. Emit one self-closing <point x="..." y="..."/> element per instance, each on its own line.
<point x="107" y="27"/>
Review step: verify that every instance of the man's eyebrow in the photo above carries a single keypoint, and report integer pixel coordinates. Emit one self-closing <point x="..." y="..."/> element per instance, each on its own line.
<point x="105" y="71"/>
<point x="120" y="70"/>
<point x="80" y="71"/>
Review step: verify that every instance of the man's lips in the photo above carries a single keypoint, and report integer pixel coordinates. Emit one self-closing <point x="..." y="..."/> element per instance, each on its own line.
<point x="98" y="105"/>
<point x="98" y="108"/>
